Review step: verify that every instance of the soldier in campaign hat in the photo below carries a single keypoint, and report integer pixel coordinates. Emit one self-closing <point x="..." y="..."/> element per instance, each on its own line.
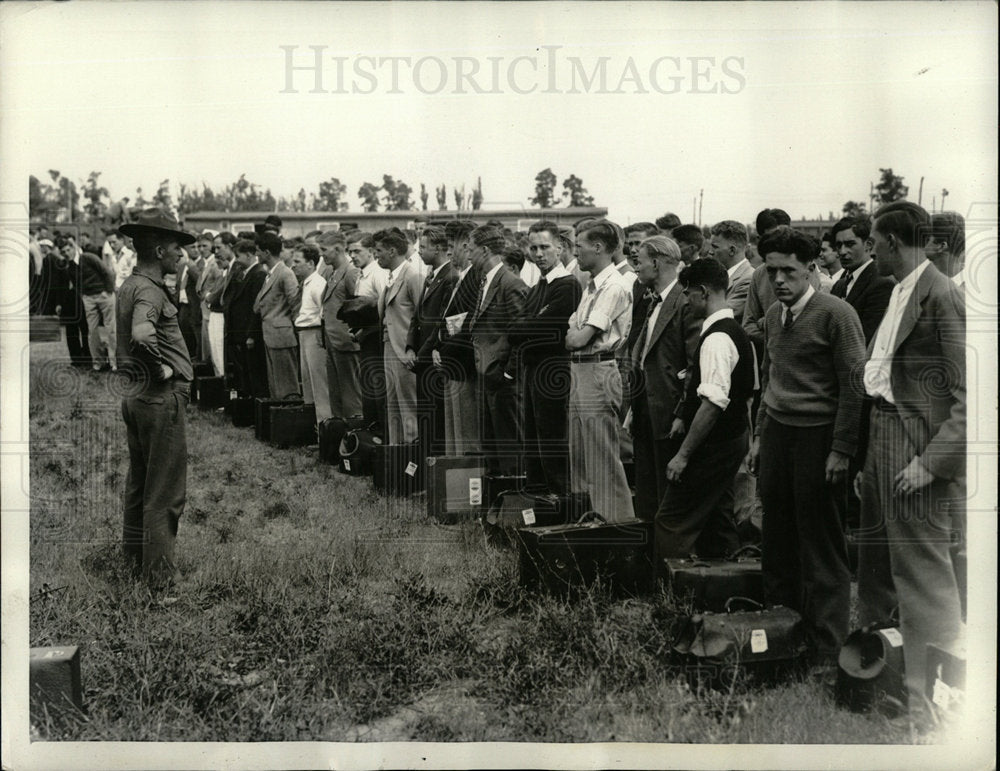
<point x="152" y="352"/>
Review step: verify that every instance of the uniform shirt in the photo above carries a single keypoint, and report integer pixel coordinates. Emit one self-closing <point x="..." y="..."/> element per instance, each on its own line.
<point x="717" y="360"/>
<point x="373" y="280"/>
<point x="142" y="298"/>
<point x="607" y="305"/>
<point x="311" y="309"/>
<point x="878" y="368"/>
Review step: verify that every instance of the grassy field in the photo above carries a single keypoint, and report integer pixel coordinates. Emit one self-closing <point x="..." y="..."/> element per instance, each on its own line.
<point x="312" y="609"/>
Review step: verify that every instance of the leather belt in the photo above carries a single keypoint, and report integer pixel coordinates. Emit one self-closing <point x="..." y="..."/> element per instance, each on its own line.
<point x="586" y="358"/>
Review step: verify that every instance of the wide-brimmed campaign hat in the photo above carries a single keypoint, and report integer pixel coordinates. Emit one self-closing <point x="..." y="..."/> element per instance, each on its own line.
<point x="157" y="221"/>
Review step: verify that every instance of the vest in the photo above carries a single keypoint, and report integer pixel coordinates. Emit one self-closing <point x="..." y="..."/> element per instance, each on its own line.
<point x="735" y="419"/>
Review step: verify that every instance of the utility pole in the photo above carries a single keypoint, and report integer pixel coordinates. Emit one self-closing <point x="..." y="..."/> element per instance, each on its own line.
<point x="920" y="193"/>
<point x="694" y="208"/>
<point x="871" y="196"/>
<point x="944" y="194"/>
<point x="701" y="197"/>
<point x="933" y="204"/>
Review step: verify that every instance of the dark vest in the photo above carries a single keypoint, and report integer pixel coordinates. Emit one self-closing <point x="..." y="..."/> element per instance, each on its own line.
<point x="735" y="419"/>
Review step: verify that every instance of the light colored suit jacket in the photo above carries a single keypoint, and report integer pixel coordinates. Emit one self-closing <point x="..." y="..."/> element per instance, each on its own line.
<point x="278" y="305"/>
<point x="928" y="374"/>
<point x="739" y="287"/>
<point x="398" y="304"/>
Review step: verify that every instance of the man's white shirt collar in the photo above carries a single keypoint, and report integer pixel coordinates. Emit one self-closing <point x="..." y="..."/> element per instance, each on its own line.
<point x="557" y="272"/>
<point x="723" y="313"/>
<point x="732" y="271"/>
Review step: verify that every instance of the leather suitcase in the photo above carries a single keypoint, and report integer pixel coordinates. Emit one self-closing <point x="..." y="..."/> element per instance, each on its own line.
<point x="331" y="434"/>
<point x="54" y="677"/>
<point x="563" y="560"/>
<point x="763" y="644"/>
<point x="870" y="671"/>
<point x="455" y="487"/>
<point x="203" y="369"/>
<point x="262" y="415"/>
<point x="496" y="484"/>
<point x="293" y="425"/>
<point x="945" y="687"/>
<point x="707" y="584"/>
<point x="357" y="451"/>
<point x="513" y="509"/>
<point x="398" y="469"/>
<point x="212" y="392"/>
<point x="241" y="410"/>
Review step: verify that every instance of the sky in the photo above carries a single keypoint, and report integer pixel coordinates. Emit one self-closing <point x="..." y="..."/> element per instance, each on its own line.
<point x="789" y="105"/>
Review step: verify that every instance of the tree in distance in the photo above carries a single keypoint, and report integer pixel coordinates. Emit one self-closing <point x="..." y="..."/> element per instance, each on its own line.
<point x="369" y="195"/>
<point x="890" y="187"/>
<point x="331" y="196"/>
<point x="545" y="186"/>
<point x="853" y="209"/>
<point x="574" y="190"/>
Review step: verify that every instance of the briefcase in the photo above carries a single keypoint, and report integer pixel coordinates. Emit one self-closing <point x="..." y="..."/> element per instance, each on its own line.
<point x="563" y="560"/>
<point x="212" y="392"/>
<point x="765" y="645"/>
<point x="398" y="469"/>
<point x="706" y="584"/>
<point x="455" y="487"/>
<point x="293" y="425"/>
<point x="945" y="685"/>
<point x="357" y="451"/>
<point x="871" y="672"/>
<point x="262" y="415"/>
<point x="331" y="434"/>
<point x="242" y="411"/>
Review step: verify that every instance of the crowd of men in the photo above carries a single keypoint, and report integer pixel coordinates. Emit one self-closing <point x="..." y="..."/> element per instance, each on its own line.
<point x="831" y="370"/>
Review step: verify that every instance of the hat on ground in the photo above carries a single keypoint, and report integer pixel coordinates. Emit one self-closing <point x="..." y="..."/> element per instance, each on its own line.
<point x="156" y="221"/>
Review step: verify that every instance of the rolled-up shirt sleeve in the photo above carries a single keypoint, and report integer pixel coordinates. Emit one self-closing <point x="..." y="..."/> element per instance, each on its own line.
<point x="717" y="361"/>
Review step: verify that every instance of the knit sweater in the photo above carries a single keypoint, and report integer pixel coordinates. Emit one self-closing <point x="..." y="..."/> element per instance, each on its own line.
<point x="95" y="277"/>
<point x="812" y="371"/>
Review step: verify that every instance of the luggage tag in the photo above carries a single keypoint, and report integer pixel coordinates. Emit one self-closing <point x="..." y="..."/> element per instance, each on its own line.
<point x="528" y="515"/>
<point x="475" y="491"/>
<point x="347" y="464"/>
<point x="233" y="396"/>
<point x="411" y="469"/>
<point x="758" y="641"/>
<point x="893" y="636"/>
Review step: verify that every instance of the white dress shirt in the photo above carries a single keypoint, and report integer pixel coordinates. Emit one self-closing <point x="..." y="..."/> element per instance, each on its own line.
<point x="651" y="322"/>
<point x="489" y="282"/>
<point x="878" y="369"/>
<point x="373" y="280"/>
<point x="717" y="360"/>
<point x="799" y="304"/>
<point x="311" y="310"/>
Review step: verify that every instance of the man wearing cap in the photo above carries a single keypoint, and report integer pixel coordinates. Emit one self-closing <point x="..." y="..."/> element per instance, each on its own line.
<point x="152" y="352"/>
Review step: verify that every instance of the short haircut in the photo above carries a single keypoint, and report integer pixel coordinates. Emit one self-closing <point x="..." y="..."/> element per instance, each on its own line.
<point x="642" y="227"/>
<point x="314" y="233"/>
<point x="949" y="227"/>
<point x="513" y="256"/>
<point x="61" y="241"/>
<point x="246" y="246"/>
<point x="668" y="221"/>
<point x="909" y="222"/>
<point x="545" y="226"/>
<point x="788" y="240"/>
<point x="270" y="242"/>
<point x="227" y="238"/>
<point x="206" y="237"/>
<point x="411" y="235"/>
<point x="458" y="230"/>
<point x="827" y="237"/>
<point x="603" y="232"/>
<point x="356" y="236"/>
<point x="731" y="230"/>
<point x="862" y="226"/>
<point x="392" y="238"/>
<point x="768" y="219"/>
<point x="708" y="272"/>
<point x="662" y="248"/>
<point x="246" y="235"/>
<point x="490" y="237"/>
<point x="688" y="235"/>
<point x="331" y="238"/>
<point x="494" y="223"/>
<point x="435" y="235"/>
<point x="566" y="242"/>
<point x="583" y="222"/>
<point x="310" y="252"/>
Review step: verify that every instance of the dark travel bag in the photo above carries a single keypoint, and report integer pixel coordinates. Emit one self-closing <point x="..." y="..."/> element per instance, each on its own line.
<point x="357" y="451"/>
<point x="871" y="672"/>
<point x="455" y="487"/>
<point x="398" y="469"/>
<point x="564" y="559"/>
<point x="212" y="392"/>
<point x="331" y="434"/>
<point x="706" y="584"/>
<point x="262" y="415"/>
<point x="242" y="411"/>
<point x="765" y="644"/>
<point x="293" y="425"/>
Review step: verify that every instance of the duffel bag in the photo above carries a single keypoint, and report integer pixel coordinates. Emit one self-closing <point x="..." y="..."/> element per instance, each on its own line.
<point x="357" y="451"/>
<point x="871" y="674"/>
<point x="331" y="433"/>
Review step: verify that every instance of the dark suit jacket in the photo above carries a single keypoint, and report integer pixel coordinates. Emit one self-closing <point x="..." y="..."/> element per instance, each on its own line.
<point x="237" y="304"/>
<point x="672" y="345"/>
<point x="430" y="313"/>
<point x="640" y="306"/>
<point x="456" y="350"/>
<point x="869" y="297"/>
<point x="488" y="325"/>
<point x="928" y="373"/>
<point x="278" y="303"/>
<point x="540" y="333"/>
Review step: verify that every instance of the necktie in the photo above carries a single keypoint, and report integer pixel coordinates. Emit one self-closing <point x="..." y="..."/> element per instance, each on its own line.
<point x="840" y="288"/>
<point x="427" y="285"/>
<point x="654" y="301"/>
<point x="482" y="295"/>
<point x="789" y="319"/>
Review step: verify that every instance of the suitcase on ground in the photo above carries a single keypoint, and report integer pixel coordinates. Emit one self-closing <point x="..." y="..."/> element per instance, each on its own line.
<point x="707" y="584"/>
<point x="945" y="687"/>
<point x="870" y="671"/>
<point x="765" y="645"/>
<point x="495" y="484"/>
<point x="293" y="425"/>
<point x="357" y="451"/>
<point x="212" y="392"/>
<point x="398" y="469"/>
<point x="564" y="560"/>
<point x="262" y="415"/>
<point x="455" y="487"/>
<point x="512" y="509"/>
<point x="331" y="434"/>
<point x="242" y="410"/>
